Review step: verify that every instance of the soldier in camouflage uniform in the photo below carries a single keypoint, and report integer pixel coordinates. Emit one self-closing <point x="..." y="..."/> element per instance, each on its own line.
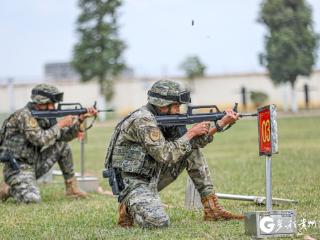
<point x="37" y="144"/>
<point x="149" y="158"/>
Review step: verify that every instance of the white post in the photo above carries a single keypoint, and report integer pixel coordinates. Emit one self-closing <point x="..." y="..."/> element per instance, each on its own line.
<point x="294" y="104"/>
<point x="101" y="104"/>
<point x="286" y="89"/>
<point x="11" y="94"/>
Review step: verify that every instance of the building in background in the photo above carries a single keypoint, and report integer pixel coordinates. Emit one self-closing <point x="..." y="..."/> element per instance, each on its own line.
<point x="130" y="93"/>
<point x="64" y="71"/>
<point x="60" y="71"/>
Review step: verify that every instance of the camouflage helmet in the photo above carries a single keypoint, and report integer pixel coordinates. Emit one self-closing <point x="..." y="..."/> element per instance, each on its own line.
<point x="45" y="93"/>
<point x="166" y="92"/>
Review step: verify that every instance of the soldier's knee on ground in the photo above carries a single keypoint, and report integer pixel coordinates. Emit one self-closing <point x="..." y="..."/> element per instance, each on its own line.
<point x="23" y="187"/>
<point x="146" y="208"/>
<point x="31" y="197"/>
<point x="162" y="223"/>
<point x="152" y="221"/>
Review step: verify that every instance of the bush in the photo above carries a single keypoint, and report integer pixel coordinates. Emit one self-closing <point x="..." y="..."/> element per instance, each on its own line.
<point x="258" y="98"/>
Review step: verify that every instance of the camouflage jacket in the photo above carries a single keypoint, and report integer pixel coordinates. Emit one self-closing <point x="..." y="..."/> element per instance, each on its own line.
<point x="26" y="136"/>
<point x="141" y="145"/>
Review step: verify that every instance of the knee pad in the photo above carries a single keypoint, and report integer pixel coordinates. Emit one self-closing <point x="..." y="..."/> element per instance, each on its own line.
<point x="155" y="222"/>
<point x="163" y="223"/>
<point x="31" y="197"/>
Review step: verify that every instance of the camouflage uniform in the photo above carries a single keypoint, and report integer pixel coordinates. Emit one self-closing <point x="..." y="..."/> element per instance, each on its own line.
<point x="149" y="160"/>
<point x="36" y="144"/>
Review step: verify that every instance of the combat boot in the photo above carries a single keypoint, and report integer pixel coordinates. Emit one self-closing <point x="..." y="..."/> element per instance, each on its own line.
<point x="4" y="192"/>
<point x="72" y="189"/>
<point x="213" y="211"/>
<point x="125" y="219"/>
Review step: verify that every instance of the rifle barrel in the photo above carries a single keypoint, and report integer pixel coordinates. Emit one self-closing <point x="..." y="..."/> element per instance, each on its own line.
<point x="248" y="114"/>
<point x="106" y="110"/>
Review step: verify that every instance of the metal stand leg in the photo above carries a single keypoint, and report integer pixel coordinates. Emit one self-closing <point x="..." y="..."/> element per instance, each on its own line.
<point x="82" y="156"/>
<point x="268" y="183"/>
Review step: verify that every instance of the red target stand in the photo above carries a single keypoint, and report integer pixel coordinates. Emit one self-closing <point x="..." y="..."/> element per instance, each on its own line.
<point x="269" y="223"/>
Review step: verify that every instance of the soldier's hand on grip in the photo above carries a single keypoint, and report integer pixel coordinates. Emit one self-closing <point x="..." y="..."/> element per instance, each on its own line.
<point x="91" y="112"/>
<point x="67" y="121"/>
<point x="229" y="118"/>
<point x="198" y="130"/>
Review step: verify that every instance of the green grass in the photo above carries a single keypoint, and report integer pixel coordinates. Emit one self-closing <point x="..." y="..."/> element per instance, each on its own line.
<point x="235" y="166"/>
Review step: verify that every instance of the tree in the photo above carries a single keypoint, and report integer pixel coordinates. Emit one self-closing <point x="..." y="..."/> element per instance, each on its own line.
<point x="98" y="54"/>
<point x="193" y="67"/>
<point x="290" y="43"/>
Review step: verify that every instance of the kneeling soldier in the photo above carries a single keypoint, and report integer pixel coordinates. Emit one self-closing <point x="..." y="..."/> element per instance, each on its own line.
<point x="147" y="158"/>
<point x="37" y="144"/>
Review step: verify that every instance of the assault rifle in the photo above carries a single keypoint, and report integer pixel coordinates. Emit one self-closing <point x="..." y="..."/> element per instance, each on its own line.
<point x="213" y="115"/>
<point x="65" y="109"/>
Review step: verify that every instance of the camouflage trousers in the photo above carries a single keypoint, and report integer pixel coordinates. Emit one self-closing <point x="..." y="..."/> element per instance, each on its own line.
<point x="23" y="186"/>
<point x="144" y="203"/>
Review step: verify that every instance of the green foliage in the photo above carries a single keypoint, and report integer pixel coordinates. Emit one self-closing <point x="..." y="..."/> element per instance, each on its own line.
<point x="193" y="67"/>
<point x="98" y="54"/>
<point x="258" y="98"/>
<point x="291" y="42"/>
<point x="234" y="164"/>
